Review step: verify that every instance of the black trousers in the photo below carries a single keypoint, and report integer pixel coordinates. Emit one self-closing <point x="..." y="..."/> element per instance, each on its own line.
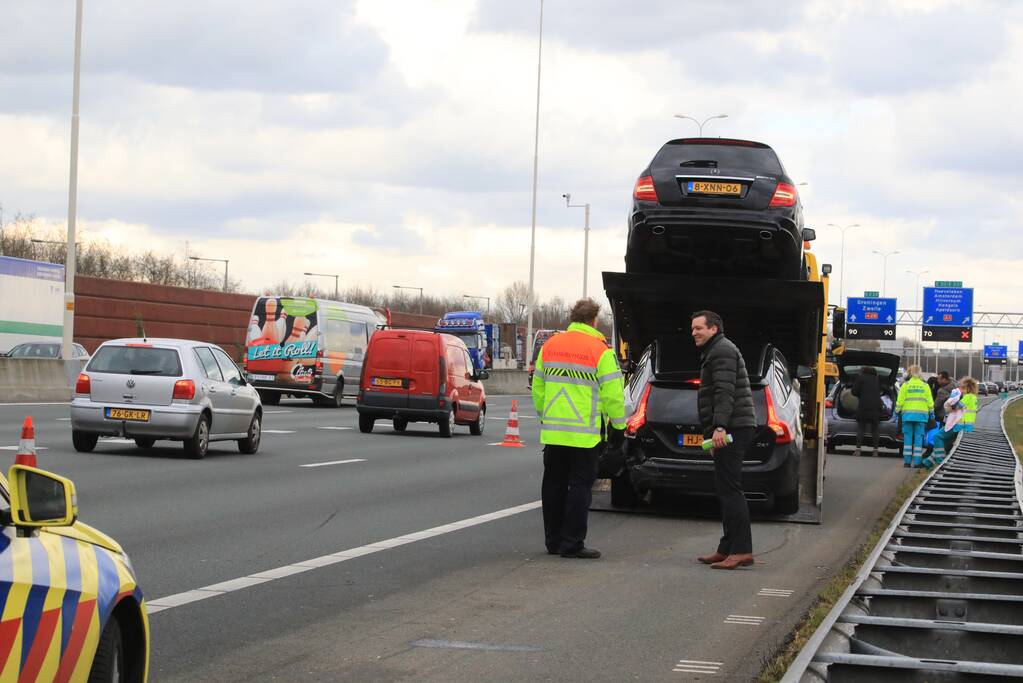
<point x="737" y="538"/>
<point x="566" y="492"/>
<point x="861" y="428"/>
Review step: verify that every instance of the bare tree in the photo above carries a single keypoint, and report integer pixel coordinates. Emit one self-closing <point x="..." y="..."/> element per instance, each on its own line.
<point x="513" y="303"/>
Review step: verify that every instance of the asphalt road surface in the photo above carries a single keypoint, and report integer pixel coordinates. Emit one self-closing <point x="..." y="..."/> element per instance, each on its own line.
<point x="412" y="557"/>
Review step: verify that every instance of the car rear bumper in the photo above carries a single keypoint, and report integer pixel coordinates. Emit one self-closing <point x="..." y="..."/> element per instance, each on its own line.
<point x="842" y="432"/>
<point x="385" y="405"/>
<point x="168" y="422"/>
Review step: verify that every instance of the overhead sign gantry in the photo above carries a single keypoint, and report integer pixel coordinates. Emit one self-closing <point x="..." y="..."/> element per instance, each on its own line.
<point x="947" y="313"/>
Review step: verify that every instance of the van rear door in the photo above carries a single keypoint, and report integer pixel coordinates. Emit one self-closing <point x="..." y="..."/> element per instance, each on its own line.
<point x="388" y="370"/>
<point x="424" y="384"/>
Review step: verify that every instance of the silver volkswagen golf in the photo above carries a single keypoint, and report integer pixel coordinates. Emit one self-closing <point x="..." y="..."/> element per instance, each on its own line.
<point x="150" y="389"/>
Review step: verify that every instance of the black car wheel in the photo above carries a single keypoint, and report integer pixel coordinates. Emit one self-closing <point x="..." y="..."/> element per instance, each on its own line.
<point x="366" y="424"/>
<point x="108" y="664"/>
<point x="197" y="446"/>
<point x="447" y="425"/>
<point x="400" y="424"/>
<point x="477" y="427"/>
<point x="250" y="444"/>
<point x="145" y="442"/>
<point x="83" y="441"/>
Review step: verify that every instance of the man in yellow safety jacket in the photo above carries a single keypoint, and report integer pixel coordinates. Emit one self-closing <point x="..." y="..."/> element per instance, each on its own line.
<point x="577" y="391"/>
<point x="915" y="407"/>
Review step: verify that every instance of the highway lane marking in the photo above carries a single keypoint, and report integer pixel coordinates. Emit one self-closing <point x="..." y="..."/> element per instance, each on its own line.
<point x="744" y="619"/>
<point x="775" y="593"/>
<point x="338" y="429"/>
<point x="278" y="431"/>
<point x="333" y="462"/>
<point x="465" y="645"/>
<point x="277" y="412"/>
<point x="521" y="417"/>
<point x="695" y="666"/>
<point x="213" y="590"/>
<point x="63" y="419"/>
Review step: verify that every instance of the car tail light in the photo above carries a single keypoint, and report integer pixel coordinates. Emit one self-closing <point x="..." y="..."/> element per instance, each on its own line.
<point x="781" y="430"/>
<point x="83" y="385"/>
<point x="184" y="390"/>
<point x="638" y="418"/>
<point x="645" y="190"/>
<point x="694" y="382"/>
<point x="784" y="195"/>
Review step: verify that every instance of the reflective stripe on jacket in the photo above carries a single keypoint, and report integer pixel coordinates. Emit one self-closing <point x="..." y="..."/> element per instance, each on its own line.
<point x="576" y="382"/>
<point x="969" y="415"/>
<point x="915" y="401"/>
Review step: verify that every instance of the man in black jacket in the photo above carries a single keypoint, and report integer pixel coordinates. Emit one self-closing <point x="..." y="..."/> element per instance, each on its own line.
<point x="726" y="409"/>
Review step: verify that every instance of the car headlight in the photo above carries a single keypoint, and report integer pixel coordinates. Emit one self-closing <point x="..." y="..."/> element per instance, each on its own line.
<point x="128" y="564"/>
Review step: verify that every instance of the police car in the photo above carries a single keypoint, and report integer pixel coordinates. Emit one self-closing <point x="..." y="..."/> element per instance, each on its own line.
<point x="70" y="606"/>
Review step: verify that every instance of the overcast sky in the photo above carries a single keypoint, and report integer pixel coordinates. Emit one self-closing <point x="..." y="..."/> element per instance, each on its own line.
<point x="391" y="141"/>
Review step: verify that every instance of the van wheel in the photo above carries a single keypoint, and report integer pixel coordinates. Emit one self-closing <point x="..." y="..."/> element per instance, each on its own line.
<point x="447" y="426"/>
<point x="366" y="424"/>
<point x="400" y="424"/>
<point x="250" y="444"/>
<point x="83" y="441"/>
<point x="338" y="395"/>
<point x="270" y="398"/>
<point x="145" y="442"/>
<point x="623" y="495"/>
<point x="477" y="427"/>
<point x="197" y="446"/>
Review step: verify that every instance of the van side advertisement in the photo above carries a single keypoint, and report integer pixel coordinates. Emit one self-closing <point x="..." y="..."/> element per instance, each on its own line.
<point x="281" y="343"/>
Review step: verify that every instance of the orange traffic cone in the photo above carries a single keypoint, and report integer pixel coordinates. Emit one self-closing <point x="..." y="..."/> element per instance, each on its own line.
<point x="26" y="454"/>
<point x="511" y="433"/>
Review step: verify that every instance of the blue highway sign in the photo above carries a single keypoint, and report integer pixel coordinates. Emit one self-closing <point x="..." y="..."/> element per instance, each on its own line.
<point x="1019" y="354"/>
<point x="947" y="314"/>
<point x="870" y="318"/>
<point x="996" y="354"/>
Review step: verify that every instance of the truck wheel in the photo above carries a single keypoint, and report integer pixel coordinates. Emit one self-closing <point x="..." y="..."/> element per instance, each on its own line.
<point x="477" y="427"/>
<point x="83" y="441"/>
<point x="270" y="398"/>
<point x="447" y="425"/>
<point x="623" y="495"/>
<point x="197" y="446"/>
<point x="400" y="424"/>
<point x="366" y="423"/>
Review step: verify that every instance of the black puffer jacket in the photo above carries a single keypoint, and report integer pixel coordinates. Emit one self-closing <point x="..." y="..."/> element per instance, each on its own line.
<point x="725" y="398"/>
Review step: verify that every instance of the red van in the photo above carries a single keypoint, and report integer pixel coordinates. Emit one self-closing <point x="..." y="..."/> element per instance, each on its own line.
<point x="419" y="376"/>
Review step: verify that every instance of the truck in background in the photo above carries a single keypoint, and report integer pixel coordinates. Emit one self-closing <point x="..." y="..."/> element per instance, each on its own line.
<point x="32" y="305"/>
<point x="470" y="328"/>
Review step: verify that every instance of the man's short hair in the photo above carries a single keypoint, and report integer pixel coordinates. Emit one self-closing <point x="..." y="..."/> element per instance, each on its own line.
<point x="713" y="319"/>
<point x="584" y="311"/>
<point x="943" y="374"/>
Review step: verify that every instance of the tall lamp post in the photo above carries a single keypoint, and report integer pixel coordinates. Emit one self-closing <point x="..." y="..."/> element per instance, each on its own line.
<point x="841" y="262"/>
<point x="400" y="287"/>
<point x="67" y="349"/>
<point x="336" y="280"/>
<point x="701" y="124"/>
<point x="884" y="269"/>
<point x="916" y="305"/>
<point x="536" y="169"/>
<point x="469" y="296"/>
<point x="215" y="260"/>
<point x="586" y="236"/>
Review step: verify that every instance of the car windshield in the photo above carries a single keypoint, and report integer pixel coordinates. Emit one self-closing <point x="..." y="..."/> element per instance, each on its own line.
<point x="471" y="340"/>
<point x="136" y="360"/>
<point x="735" y="157"/>
<point x="36" y="351"/>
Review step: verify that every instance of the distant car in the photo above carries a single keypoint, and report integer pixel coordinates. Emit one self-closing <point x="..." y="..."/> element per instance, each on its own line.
<point x="981" y="389"/>
<point x="151" y="389"/>
<point x="45" y="350"/>
<point x="992" y="388"/>
<point x="716" y="205"/>
<point x="663" y="434"/>
<point x="840" y="407"/>
<point x="72" y="607"/>
<point x="418" y="376"/>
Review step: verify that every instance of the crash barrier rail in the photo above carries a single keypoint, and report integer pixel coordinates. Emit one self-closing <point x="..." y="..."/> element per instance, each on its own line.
<point x="507" y="382"/>
<point x="24" y="380"/>
<point x="941" y="596"/>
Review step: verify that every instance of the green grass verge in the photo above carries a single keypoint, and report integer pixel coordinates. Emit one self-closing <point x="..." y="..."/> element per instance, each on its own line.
<point x="826" y="599"/>
<point x="1014" y="425"/>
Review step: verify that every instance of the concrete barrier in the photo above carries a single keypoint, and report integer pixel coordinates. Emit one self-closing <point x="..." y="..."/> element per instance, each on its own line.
<point x="36" y="380"/>
<point x="505" y="382"/>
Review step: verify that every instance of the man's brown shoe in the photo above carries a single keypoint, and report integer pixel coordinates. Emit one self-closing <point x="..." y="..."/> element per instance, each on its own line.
<point x="734" y="561"/>
<point x="712" y="558"/>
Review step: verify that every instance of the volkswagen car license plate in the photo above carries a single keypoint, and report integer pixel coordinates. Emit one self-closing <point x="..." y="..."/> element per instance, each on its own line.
<point x="127" y="414"/>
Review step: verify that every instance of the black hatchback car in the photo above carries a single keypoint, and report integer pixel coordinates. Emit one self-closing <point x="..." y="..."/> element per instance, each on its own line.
<point x="716" y="205"/>
<point x="840" y="407"/>
<point x="663" y="433"/>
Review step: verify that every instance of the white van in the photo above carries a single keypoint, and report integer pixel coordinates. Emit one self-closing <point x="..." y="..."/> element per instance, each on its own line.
<point x="307" y="347"/>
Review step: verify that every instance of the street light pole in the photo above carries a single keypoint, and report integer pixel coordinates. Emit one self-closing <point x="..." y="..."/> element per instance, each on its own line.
<point x="916" y="305"/>
<point x="215" y="260"/>
<point x="337" y="279"/>
<point x="841" y="266"/>
<point x="420" y="295"/>
<point x="704" y="122"/>
<point x="536" y="168"/>
<point x="67" y="348"/>
<point x="884" y="270"/>
<point x="586" y="237"/>
<point x="469" y="296"/>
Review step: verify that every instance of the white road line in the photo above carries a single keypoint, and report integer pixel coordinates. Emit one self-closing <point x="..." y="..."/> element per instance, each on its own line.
<point x="116" y="440"/>
<point x="14" y="448"/>
<point x="277" y="412"/>
<point x="338" y="429"/>
<point x="178" y="599"/>
<point x="744" y="619"/>
<point x="693" y="666"/>
<point x="775" y="593"/>
<point x="63" y="419"/>
<point x="333" y="462"/>
<point x="278" y="431"/>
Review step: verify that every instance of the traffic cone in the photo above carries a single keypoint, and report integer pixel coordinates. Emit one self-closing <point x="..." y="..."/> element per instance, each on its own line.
<point x="511" y="433"/>
<point x="26" y="454"/>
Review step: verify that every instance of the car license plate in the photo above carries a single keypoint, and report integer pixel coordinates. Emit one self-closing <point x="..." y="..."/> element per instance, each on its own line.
<point x="388" y="382"/>
<point x="126" y="414"/>
<point x="262" y="378"/>
<point x="700" y="187"/>
<point x="690" y="439"/>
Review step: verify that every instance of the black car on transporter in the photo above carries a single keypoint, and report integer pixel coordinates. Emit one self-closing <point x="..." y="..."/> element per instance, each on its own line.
<point x="716" y="205"/>
<point x="663" y="433"/>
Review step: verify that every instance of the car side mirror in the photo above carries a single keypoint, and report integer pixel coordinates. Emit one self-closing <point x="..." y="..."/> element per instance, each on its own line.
<point x="40" y="498"/>
<point x="809" y="234"/>
<point x="803" y="372"/>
